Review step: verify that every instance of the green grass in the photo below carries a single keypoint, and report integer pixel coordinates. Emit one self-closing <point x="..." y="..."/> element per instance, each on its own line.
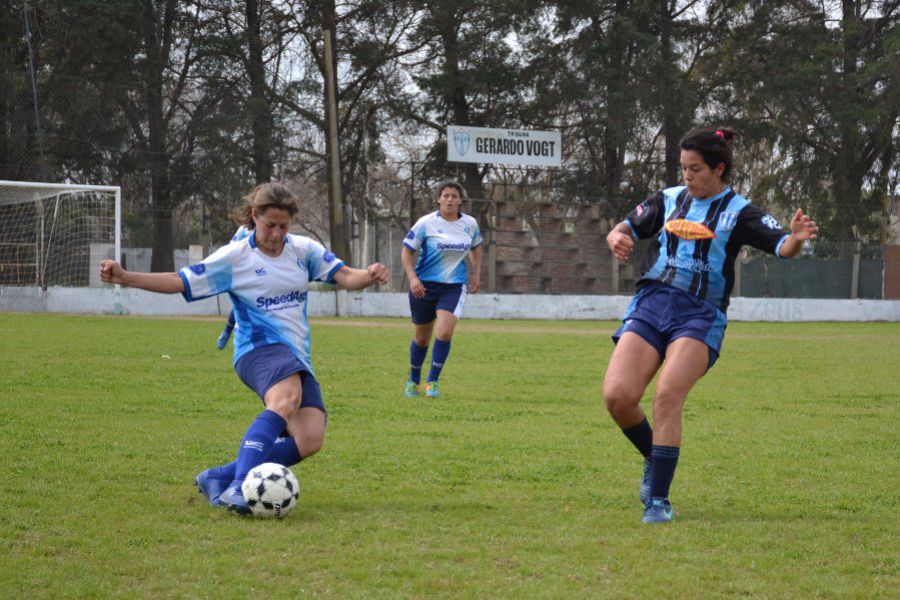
<point x="515" y="484"/>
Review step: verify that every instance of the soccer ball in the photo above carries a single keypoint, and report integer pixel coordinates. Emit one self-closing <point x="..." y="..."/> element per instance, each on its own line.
<point x="271" y="490"/>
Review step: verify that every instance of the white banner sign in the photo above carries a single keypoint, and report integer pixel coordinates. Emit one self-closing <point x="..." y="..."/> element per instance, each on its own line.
<point x="504" y="146"/>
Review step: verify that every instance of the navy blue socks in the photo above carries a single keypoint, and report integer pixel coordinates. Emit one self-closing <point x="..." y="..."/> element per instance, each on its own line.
<point x="284" y="452"/>
<point x="664" y="459"/>
<point x="416" y="360"/>
<point x="258" y="442"/>
<point x="641" y="435"/>
<point x="438" y="358"/>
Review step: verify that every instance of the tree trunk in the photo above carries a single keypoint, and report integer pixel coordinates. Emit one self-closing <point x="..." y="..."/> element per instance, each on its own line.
<point x="158" y="157"/>
<point x="338" y="229"/>
<point x="258" y="103"/>
<point x="455" y="97"/>
<point x="616" y="121"/>
<point x="670" y="100"/>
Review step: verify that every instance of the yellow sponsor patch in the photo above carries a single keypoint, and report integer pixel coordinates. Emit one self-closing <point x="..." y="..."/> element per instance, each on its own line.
<point x="688" y="230"/>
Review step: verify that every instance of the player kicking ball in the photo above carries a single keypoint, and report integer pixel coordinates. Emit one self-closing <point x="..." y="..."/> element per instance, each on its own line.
<point x="676" y="320"/>
<point x="267" y="277"/>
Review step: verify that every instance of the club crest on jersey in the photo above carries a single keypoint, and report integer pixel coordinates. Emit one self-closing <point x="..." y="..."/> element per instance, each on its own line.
<point x="727" y="221"/>
<point x="688" y="230"/>
<point x="260" y="272"/>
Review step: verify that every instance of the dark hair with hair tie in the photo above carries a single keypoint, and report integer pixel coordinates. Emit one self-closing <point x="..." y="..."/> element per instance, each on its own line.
<point x="714" y="145"/>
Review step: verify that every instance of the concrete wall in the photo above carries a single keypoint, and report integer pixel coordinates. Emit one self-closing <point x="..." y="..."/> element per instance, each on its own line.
<point x="323" y="303"/>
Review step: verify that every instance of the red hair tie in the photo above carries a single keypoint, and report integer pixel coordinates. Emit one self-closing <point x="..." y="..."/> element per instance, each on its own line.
<point x="720" y="133"/>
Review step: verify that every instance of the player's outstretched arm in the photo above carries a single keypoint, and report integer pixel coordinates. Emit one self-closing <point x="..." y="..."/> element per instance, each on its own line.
<point x="802" y="228"/>
<point x="164" y="283"/>
<point x="358" y="279"/>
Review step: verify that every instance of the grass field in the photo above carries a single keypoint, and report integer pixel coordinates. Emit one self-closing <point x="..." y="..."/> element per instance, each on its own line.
<point x="516" y="484"/>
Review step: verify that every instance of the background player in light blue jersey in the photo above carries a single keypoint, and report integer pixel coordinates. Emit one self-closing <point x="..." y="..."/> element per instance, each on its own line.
<point x="677" y="317"/>
<point x="266" y="276"/>
<point x="241" y="233"/>
<point x="437" y="282"/>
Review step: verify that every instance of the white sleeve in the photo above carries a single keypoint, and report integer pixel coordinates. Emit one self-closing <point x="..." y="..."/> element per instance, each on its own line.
<point x="211" y="276"/>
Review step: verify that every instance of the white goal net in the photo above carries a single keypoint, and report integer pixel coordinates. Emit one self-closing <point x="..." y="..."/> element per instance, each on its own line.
<point x="55" y="234"/>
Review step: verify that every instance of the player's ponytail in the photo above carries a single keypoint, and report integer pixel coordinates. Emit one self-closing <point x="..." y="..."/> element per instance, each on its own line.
<point x="263" y="197"/>
<point x="714" y="145"/>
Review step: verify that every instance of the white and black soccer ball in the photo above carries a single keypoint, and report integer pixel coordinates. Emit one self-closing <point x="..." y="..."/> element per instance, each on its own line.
<point x="271" y="490"/>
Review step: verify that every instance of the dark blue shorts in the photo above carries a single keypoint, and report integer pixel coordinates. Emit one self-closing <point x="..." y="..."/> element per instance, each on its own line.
<point x="660" y="314"/>
<point x="438" y="296"/>
<point x="263" y="367"/>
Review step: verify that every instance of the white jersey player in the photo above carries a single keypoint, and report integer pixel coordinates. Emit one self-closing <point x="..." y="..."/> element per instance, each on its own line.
<point x="437" y="282"/>
<point x="266" y="275"/>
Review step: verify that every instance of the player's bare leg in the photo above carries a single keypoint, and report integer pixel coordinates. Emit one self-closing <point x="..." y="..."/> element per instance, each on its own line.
<point x="307" y="427"/>
<point x="686" y="361"/>
<point x="422" y="335"/>
<point x="631" y="368"/>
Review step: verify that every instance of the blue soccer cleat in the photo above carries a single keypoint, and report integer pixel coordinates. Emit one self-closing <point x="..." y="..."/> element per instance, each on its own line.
<point x="412" y="390"/>
<point x="645" y="483"/>
<point x="233" y="499"/>
<point x="432" y="390"/>
<point x="658" y="511"/>
<point x="210" y="486"/>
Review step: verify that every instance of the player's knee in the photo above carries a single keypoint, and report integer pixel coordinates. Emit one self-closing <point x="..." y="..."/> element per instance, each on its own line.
<point x="667" y="402"/>
<point x="620" y="398"/>
<point x="285" y="406"/>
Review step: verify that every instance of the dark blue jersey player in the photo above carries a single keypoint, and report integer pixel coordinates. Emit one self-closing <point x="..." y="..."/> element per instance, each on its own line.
<point x="677" y="317"/>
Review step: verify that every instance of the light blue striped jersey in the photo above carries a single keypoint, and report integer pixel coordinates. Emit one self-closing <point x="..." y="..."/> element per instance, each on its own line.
<point x="269" y="295"/>
<point x="698" y="240"/>
<point x="443" y="246"/>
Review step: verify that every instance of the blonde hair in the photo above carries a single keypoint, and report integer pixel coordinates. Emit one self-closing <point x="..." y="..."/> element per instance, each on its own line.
<point x="262" y="198"/>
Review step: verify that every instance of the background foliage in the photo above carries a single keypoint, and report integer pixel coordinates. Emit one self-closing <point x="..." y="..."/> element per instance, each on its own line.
<point x="188" y="103"/>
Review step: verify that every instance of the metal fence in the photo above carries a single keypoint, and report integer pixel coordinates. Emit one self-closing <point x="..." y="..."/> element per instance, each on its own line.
<point x="539" y="239"/>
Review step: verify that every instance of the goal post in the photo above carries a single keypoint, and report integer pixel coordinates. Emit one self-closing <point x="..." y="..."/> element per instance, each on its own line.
<point x="55" y="234"/>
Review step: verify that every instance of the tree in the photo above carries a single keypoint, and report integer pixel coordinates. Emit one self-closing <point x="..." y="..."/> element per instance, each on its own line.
<point x="822" y="86"/>
<point x="466" y="74"/>
<point x="368" y="39"/>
